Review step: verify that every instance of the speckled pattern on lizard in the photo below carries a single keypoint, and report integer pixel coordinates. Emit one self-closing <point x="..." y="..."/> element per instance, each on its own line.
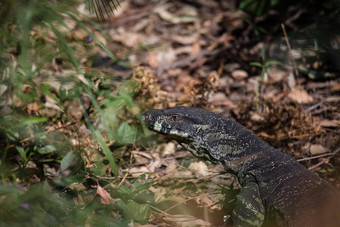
<point x="274" y="185"/>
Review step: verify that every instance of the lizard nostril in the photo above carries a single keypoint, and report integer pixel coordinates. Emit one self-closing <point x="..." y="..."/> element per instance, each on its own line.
<point x="147" y="118"/>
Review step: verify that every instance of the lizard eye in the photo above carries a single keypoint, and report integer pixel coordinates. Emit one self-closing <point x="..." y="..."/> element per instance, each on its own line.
<point x="173" y="118"/>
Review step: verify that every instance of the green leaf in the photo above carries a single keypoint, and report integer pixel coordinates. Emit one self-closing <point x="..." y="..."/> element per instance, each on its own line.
<point x="132" y="210"/>
<point x="70" y="161"/>
<point x="262" y="75"/>
<point x="5" y="189"/>
<point x="142" y="186"/>
<point x="47" y="149"/>
<point x="33" y="120"/>
<point x="125" y="192"/>
<point x="126" y="134"/>
<point x="35" y="192"/>
<point x="85" y="28"/>
<point x="21" y="152"/>
<point x="106" y="150"/>
<point x="99" y="170"/>
<point x="62" y="93"/>
<point x="269" y="63"/>
<point x="74" y="93"/>
<point x="45" y="89"/>
<point x="258" y="64"/>
<point x="63" y="44"/>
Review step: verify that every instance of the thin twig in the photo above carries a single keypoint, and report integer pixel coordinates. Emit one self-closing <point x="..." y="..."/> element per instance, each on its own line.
<point x="319" y="164"/>
<point x="289" y="49"/>
<point x="323" y="161"/>
<point x="321" y="110"/>
<point x="318" y="156"/>
<point x="313" y="107"/>
<point x="127" y="173"/>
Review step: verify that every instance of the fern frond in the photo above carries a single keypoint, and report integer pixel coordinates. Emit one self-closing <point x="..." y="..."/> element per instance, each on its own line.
<point x="103" y="7"/>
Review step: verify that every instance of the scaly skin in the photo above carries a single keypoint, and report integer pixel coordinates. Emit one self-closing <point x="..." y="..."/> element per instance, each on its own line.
<point x="275" y="187"/>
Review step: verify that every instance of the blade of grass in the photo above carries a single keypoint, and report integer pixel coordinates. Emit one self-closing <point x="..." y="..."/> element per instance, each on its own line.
<point x="83" y="26"/>
<point x="97" y="135"/>
<point x="66" y="48"/>
<point x="108" y="154"/>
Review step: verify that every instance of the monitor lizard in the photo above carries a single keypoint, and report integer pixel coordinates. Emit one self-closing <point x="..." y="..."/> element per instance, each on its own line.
<point x="275" y="187"/>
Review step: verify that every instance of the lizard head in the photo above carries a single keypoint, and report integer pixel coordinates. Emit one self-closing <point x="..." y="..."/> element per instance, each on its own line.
<point x="186" y="125"/>
<point x="179" y="123"/>
<point x="203" y="133"/>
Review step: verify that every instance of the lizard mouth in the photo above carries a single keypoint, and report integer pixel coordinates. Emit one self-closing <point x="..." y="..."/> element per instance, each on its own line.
<point x="157" y="125"/>
<point x="153" y="124"/>
<point x="149" y="120"/>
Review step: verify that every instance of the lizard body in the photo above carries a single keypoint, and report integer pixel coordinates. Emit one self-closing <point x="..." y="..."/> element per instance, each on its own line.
<point x="274" y="185"/>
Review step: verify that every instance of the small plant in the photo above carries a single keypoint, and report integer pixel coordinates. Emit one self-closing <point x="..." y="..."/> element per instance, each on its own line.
<point x="264" y="65"/>
<point x="58" y="142"/>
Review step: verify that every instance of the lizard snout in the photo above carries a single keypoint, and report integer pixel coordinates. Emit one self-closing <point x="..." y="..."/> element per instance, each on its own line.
<point x="148" y="119"/>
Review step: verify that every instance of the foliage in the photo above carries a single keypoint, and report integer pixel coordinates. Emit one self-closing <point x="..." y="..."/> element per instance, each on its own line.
<point x="56" y="142"/>
<point x="264" y="65"/>
<point x="102" y="7"/>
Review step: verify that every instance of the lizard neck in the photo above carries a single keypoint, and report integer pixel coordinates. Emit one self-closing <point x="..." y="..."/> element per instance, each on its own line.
<point x="248" y="155"/>
<point x="236" y="146"/>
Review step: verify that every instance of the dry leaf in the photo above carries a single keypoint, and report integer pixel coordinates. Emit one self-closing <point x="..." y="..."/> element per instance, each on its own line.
<point x="206" y="200"/>
<point x="278" y="97"/>
<point x="186" y="14"/>
<point x="299" y="95"/>
<point x="332" y="99"/>
<point x="179" y="190"/>
<point x="229" y="67"/>
<point x="239" y="74"/>
<point x="257" y="117"/>
<point x="184" y="40"/>
<point x="196" y="48"/>
<point x="79" y="34"/>
<point x="186" y="220"/>
<point x="32" y="108"/>
<point x="218" y="97"/>
<point x="169" y="149"/>
<point x="165" y="57"/>
<point x="3" y="88"/>
<point x="330" y="123"/>
<point x="316" y="149"/>
<point x="100" y="38"/>
<point x="171" y="169"/>
<point x="104" y="195"/>
<point x="159" y="193"/>
<point x="291" y="80"/>
<point x="277" y="75"/>
<point x="128" y="38"/>
<point x="335" y="88"/>
<point x="137" y="171"/>
<point x="153" y="61"/>
<point x="176" y="198"/>
<point x="199" y="168"/>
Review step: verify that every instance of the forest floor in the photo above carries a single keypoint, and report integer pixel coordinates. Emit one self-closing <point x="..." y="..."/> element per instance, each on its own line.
<point x="206" y="54"/>
<point x="273" y="79"/>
